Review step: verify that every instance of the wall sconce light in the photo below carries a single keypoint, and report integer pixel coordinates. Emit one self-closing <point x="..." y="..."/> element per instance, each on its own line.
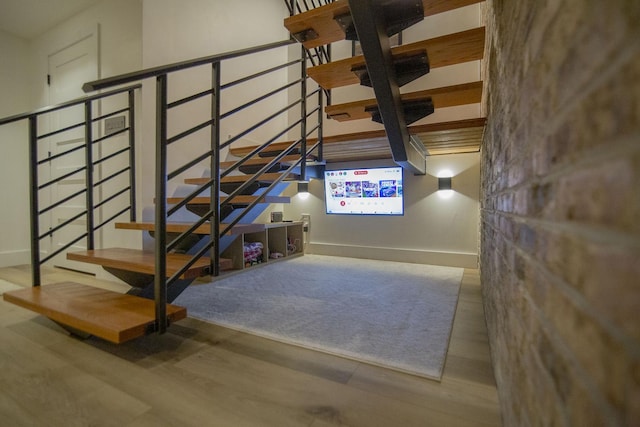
<point x="444" y="183"/>
<point x="303" y="189"/>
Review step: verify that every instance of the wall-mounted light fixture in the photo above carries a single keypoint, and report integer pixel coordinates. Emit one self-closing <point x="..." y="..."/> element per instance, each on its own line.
<point x="445" y="188"/>
<point x="444" y="183"/>
<point x="303" y="189"/>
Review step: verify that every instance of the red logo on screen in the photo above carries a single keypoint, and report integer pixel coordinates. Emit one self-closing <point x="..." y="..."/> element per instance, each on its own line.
<point x="360" y="172"/>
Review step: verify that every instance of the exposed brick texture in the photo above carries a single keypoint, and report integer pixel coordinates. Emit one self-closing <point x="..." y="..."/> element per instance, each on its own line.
<point x="560" y="232"/>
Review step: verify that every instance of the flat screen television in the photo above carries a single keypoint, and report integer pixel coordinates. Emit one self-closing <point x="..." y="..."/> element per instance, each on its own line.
<point x="366" y="191"/>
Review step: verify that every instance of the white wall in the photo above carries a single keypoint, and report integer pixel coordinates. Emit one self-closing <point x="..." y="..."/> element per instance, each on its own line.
<point x="181" y="30"/>
<point x="23" y="84"/>
<point x="14" y="184"/>
<point x="432" y="231"/>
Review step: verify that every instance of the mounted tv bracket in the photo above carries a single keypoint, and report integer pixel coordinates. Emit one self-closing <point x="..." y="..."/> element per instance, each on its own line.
<point x="399" y="15"/>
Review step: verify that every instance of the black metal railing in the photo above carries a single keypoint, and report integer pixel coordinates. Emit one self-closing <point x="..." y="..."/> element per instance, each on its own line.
<point x="85" y="137"/>
<point x="209" y="129"/>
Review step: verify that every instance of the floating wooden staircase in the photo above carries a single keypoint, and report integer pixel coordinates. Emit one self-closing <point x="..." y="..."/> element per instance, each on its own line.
<point x="86" y="310"/>
<point x="331" y="23"/>
<point x="89" y="310"/>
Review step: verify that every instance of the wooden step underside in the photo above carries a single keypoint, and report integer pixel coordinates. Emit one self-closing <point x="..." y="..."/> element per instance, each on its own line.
<point x="453" y="137"/>
<point x="106" y="314"/>
<point x="442" y="51"/>
<point x="181" y="227"/>
<point x="450" y="96"/>
<point x="238" y="200"/>
<point x="322" y="19"/>
<point x="258" y="161"/>
<point x="144" y="262"/>
<point x="265" y="177"/>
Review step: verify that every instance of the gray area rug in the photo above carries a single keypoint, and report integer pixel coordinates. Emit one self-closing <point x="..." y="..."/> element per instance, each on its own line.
<point x="390" y="314"/>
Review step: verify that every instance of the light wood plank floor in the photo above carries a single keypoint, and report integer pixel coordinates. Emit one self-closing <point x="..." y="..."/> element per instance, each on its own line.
<point x="200" y="374"/>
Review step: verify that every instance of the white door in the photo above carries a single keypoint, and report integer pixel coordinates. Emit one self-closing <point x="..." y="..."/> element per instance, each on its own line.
<point x="69" y="68"/>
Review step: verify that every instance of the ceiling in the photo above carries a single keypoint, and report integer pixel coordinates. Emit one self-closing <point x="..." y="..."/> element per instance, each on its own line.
<point x="31" y="18"/>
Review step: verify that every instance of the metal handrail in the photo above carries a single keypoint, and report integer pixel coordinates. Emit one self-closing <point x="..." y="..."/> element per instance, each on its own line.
<point x="177" y="66"/>
<point x="67" y="104"/>
<point x="36" y="185"/>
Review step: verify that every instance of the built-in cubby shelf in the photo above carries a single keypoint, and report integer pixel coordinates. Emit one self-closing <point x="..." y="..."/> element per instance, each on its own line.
<point x="279" y="240"/>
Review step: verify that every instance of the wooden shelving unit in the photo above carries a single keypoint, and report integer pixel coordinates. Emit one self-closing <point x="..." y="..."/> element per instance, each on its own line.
<point x="284" y="238"/>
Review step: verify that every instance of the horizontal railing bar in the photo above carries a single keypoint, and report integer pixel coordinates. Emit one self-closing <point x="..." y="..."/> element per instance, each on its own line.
<point x="176" y="66"/>
<point x="189" y="98"/>
<point x="189" y="165"/>
<point x="113" y="175"/>
<point x="259" y="74"/>
<point x="64" y="153"/>
<point x="192" y="261"/>
<point x="111" y="156"/>
<point x="261" y="147"/>
<point x="186" y="200"/>
<point x="64" y="248"/>
<point x="60" y="178"/>
<point x="111" y="135"/>
<point x="60" y="202"/>
<point x="310" y="94"/>
<point x="113" y="196"/>
<point x="189" y="132"/>
<point x="265" y="193"/>
<point x="67" y="104"/>
<point x="106" y="116"/>
<point x="64" y="224"/>
<point x="175" y="242"/>
<point x="257" y="125"/>
<point x="258" y="99"/>
<point x="262" y="170"/>
<point x="107" y="221"/>
<point x="59" y="131"/>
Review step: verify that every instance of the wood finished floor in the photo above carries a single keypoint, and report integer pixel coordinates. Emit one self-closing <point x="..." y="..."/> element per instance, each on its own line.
<point x="200" y="374"/>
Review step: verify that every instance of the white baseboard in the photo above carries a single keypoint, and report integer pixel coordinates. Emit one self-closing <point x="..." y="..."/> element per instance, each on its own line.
<point x="414" y="256"/>
<point x="11" y="258"/>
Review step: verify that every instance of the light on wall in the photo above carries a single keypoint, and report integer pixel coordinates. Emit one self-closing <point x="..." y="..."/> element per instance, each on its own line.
<point x="303" y="189"/>
<point x="444" y="183"/>
<point x="445" y="188"/>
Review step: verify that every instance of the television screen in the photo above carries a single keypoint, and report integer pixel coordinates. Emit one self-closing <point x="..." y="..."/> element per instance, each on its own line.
<point x="368" y="191"/>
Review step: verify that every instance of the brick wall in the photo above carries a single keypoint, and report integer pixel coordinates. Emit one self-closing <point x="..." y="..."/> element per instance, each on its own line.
<point x="560" y="237"/>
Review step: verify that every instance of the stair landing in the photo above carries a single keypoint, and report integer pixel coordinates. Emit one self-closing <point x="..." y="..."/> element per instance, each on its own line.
<point x="106" y="314"/>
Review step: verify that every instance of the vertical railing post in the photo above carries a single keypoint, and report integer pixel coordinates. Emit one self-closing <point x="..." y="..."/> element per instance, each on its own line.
<point x="132" y="156"/>
<point x="33" y="198"/>
<point x="88" y="144"/>
<point x="303" y="114"/>
<point x="215" y="170"/>
<point x="320" y="125"/>
<point x="160" y="283"/>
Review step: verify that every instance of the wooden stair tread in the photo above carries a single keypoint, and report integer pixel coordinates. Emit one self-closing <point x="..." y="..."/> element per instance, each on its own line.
<point x="265" y="177"/>
<point x="238" y="200"/>
<point x="106" y="314"/>
<point x="446" y="50"/>
<point x="257" y="161"/>
<point x="369" y="145"/>
<point x="468" y="93"/>
<point x="321" y="19"/>
<point x="143" y="262"/>
<point x="181" y="227"/>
